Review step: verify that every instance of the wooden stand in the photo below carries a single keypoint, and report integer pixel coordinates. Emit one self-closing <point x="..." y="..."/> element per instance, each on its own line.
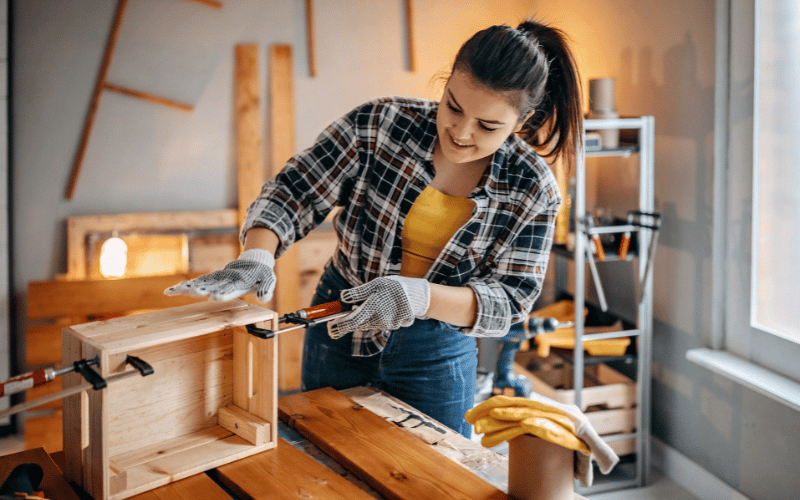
<point x="212" y="398"/>
<point x="539" y="470"/>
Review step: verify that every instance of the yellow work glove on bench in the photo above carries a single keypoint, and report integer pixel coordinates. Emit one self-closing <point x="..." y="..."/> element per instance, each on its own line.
<point x="502" y="418"/>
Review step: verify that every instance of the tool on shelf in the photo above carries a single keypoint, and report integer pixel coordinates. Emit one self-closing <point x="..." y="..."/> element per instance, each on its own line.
<point x="650" y="221"/>
<point x="303" y="318"/>
<point x="83" y="366"/>
<point x="588" y="224"/>
<point x="511" y="343"/>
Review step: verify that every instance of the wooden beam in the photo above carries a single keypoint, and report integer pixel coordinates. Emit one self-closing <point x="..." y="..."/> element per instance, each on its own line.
<point x="80" y="227"/>
<point x="412" y="62"/>
<point x="53" y="299"/>
<point x="312" y="62"/>
<point x="98" y="90"/>
<point x="249" y="156"/>
<point x="209" y="3"/>
<point x="281" y="130"/>
<point x="144" y="96"/>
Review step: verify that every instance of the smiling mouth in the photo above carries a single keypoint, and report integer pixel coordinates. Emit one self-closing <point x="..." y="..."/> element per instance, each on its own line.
<point x="459" y="144"/>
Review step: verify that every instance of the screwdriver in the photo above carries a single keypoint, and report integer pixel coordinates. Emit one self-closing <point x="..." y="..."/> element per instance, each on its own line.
<point x="534" y="326"/>
<point x="34" y="379"/>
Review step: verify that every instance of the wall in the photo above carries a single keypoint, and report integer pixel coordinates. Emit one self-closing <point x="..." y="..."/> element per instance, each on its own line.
<point x="663" y="61"/>
<point x="147" y="158"/>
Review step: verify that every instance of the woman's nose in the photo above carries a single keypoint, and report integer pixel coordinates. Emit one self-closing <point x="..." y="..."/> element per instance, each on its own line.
<point x="461" y="130"/>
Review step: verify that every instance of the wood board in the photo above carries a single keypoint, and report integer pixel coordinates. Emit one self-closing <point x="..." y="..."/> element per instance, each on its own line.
<point x="285" y="472"/>
<point x="387" y="458"/>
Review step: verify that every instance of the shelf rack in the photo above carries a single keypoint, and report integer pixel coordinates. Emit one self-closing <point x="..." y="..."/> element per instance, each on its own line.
<point x="628" y="474"/>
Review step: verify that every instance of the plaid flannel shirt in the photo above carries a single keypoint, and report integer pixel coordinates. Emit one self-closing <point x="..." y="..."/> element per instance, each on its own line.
<point x="373" y="163"/>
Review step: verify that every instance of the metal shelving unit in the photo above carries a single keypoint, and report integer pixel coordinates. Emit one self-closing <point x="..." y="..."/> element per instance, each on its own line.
<point x="630" y="474"/>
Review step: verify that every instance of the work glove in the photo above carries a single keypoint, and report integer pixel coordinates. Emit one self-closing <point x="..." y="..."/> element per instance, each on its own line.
<point x="252" y="271"/>
<point x="388" y="304"/>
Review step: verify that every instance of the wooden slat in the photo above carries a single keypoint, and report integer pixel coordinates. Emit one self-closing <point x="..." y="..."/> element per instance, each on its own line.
<point x="43" y="344"/>
<point x="145" y="96"/>
<point x="287" y="296"/>
<point x="412" y="62"/>
<point x="285" y="472"/>
<point x="250" y="163"/>
<point x="53" y="299"/>
<point x="312" y="62"/>
<point x="79" y="228"/>
<point x="44" y="432"/>
<point x="197" y="487"/>
<point x="98" y="90"/>
<point x="390" y="460"/>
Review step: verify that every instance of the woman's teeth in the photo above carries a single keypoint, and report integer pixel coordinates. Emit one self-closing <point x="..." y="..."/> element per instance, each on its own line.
<point x="459" y="144"/>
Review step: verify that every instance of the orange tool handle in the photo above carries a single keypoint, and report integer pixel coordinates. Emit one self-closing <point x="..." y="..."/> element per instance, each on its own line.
<point x="624" y="245"/>
<point x="23" y="382"/>
<point x="598" y="246"/>
<point x="322" y="310"/>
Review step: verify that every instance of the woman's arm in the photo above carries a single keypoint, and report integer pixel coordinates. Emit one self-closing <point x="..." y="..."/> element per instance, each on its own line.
<point x="259" y="237"/>
<point x="456" y="305"/>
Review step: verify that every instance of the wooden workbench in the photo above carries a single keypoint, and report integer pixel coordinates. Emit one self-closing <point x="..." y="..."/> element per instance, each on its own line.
<point x="354" y="444"/>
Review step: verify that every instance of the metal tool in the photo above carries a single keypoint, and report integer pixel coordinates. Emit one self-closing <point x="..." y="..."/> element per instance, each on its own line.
<point x="651" y="221"/>
<point x="93" y="381"/>
<point x="303" y="318"/>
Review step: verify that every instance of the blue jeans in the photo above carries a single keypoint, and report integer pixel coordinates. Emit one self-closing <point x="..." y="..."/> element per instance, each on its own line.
<point x="429" y="365"/>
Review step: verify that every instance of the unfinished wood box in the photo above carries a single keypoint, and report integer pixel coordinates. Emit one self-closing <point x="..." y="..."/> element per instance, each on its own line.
<point x="212" y="398"/>
<point x="608" y="398"/>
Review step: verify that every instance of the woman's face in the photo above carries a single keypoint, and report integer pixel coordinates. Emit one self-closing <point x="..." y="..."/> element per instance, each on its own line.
<point x="473" y="121"/>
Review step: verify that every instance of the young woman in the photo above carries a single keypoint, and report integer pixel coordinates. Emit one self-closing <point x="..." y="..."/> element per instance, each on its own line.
<point x="446" y="222"/>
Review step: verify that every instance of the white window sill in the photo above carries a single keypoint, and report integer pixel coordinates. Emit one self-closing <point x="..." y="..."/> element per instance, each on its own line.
<point x="764" y="381"/>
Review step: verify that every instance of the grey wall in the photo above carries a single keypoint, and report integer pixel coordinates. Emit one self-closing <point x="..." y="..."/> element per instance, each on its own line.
<point x="662" y="56"/>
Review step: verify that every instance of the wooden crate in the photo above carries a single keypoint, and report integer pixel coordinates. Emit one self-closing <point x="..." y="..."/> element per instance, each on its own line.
<point x="608" y="398"/>
<point x="212" y="398"/>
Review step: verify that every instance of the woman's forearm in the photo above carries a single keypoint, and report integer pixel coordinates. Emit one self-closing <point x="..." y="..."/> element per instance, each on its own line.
<point x="455" y="305"/>
<point x="259" y="237"/>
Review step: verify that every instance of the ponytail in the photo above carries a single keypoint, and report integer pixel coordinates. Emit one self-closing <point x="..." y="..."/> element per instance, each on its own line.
<point x="534" y="66"/>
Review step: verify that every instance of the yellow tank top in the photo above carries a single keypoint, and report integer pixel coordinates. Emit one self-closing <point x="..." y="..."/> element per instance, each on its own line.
<point x="432" y="221"/>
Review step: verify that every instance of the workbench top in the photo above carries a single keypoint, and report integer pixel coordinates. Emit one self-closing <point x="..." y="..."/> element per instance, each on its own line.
<point x="357" y="443"/>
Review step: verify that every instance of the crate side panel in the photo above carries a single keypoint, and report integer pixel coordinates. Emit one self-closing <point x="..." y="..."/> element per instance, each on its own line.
<point x="192" y="379"/>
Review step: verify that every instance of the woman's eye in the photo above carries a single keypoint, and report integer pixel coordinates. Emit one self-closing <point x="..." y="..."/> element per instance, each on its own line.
<point x="453" y="108"/>
<point x="488" y="129"/>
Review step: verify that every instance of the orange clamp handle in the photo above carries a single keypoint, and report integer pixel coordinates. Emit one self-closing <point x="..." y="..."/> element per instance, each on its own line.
<point x="322" y="310"/>
<point x="598" y="246"/>
<point x="624" y="245"/>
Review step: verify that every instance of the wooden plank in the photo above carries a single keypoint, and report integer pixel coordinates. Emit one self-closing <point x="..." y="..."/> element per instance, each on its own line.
<point x="244" y="424"/>
<point x="412" y="61"/>
<point x="75" y="435"/>
<point x="285" y="472"/>
<point x="44" y="432"/>
<point x="98" y="90"/>
<point x="250" y="162"/>
<point x="312" y="61"/>
<point x="287" y="296"/>
<point x="389" y="459"/>
<point x="53" y="299"/>
<point x="144" y="96"/>
<point x="43" y="344"/>
<point x="197" y="487"/>
<point x="80" y="227"/>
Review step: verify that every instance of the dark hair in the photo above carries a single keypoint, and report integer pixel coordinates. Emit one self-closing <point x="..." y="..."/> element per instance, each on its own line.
<point x="535" y="68"/>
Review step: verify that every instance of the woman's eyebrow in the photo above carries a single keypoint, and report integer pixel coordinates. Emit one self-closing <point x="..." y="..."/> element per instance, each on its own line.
<point x="455" y="101"/>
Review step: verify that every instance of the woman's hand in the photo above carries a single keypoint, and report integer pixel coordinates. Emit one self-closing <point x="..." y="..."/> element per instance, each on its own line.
<point x="388" y="303"/>
<point x="252" y="271"/>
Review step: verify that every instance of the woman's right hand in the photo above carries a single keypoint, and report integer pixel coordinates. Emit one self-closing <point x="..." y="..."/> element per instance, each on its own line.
<point x="253" y="271"/>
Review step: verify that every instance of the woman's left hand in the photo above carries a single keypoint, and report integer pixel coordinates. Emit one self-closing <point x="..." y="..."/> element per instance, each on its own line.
<point x="388" y="303"/>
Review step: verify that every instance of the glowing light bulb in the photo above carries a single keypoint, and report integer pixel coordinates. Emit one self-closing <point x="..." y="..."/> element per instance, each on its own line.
<point x="113" y="258"/>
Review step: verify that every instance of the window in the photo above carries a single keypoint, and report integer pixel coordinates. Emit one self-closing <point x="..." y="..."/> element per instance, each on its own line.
<point x="757" y="278"/>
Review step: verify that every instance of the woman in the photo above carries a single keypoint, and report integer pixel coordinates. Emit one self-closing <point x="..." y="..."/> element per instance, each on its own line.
<point x="446" y="223"/>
